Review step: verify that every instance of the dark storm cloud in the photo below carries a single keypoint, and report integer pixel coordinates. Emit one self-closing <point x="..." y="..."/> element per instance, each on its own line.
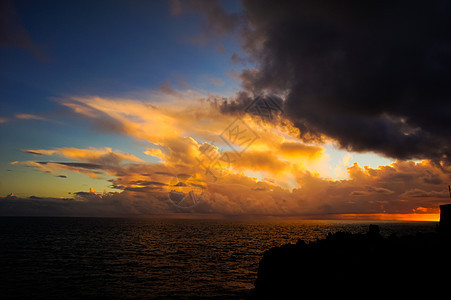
<point x="375" y="75"/>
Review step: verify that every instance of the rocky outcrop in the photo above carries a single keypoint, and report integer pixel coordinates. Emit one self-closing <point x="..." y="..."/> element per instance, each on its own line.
<point x="357" y="266"/>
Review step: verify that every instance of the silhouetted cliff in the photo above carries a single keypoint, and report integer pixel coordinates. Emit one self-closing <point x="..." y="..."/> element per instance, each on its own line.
<point x="357" y="266"/>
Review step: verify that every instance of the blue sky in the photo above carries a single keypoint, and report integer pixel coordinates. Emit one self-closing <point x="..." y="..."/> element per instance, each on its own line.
<point x="108" y="48"/>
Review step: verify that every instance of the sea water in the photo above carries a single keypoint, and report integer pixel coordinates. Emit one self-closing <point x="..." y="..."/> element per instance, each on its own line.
<point x="75" y="258"/>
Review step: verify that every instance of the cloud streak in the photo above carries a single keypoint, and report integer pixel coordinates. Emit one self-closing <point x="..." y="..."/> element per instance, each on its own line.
<point x="29" y="117"/>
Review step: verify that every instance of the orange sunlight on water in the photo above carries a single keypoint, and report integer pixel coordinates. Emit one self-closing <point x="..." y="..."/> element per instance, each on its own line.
<point x="393" y="217"/>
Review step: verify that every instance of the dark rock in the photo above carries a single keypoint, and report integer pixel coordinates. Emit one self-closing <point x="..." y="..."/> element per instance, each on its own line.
<point x="445" y="218"/>
<point x="356" y="266"/>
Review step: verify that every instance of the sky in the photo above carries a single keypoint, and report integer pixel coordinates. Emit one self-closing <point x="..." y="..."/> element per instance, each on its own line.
<point x="225" y="109"/>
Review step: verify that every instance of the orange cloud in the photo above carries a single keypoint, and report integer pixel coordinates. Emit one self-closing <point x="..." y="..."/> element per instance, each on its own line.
<point x="91" y="170"/>
<point x="261" y="161"/>
<point x="92" y="162"/>
<point x="105" y="155"/>
<point x="383" y="195"/>
<point x="183" y="130"/>
<point x="178" y="125"/>
<point x="297" y="149"/>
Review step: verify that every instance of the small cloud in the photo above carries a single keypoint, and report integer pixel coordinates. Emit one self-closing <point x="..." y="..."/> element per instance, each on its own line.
<point x="234" y="75"/>
<point x="61" y="176"/>
<point x="155" y="152"/>
<point x="376" y="190"/>
<point x="221" y="48"/>
<point x="419" y="193"/>
<point x="371" y="190"/>
<point x="90" y="166"/>
<point x="236" y="59"/>
<point x="32" y="152"/>
<point x="29" y="117"/>
<point x="259" y="189"/>
<point x="216" y="81"/>
<point x="432" y="178"/>
<point x="148" y="183"/>
<point x="164" y="173"/>
<point x="3" y="120"/>
<point x="420" y="209"/>
<point x="346" y="159"/>
<point x="82" y="194"/>
<point x="176" y="8"/>
<point x="359" y="193"/>
<point x="167" y="89"/>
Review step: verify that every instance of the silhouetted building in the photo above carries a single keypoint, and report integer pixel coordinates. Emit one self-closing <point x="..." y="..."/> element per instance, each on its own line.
<point x="445" y="218"/>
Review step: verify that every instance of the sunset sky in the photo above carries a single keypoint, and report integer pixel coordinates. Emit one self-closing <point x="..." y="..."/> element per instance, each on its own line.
<point x="260" y="109"/>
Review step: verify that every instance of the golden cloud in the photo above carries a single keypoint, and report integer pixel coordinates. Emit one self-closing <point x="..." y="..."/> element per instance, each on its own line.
<point x="277" y="174"/>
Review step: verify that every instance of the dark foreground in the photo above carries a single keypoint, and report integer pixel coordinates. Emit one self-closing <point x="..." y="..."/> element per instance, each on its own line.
<point x="357" y="266"/>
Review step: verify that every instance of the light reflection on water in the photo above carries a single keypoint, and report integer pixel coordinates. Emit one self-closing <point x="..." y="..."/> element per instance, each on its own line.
<point x="150" y="258"/>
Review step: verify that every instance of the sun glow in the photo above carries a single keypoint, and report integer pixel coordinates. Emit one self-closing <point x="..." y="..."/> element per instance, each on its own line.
<point x="392" y="217"/>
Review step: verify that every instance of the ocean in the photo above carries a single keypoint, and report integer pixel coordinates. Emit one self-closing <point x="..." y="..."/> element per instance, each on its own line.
<point x="116" y="258"/>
